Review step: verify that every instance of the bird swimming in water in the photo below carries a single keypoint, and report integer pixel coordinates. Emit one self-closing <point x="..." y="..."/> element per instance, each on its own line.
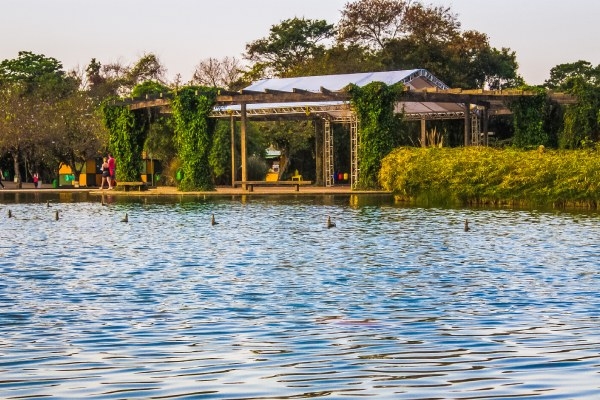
<point x="212" y="220"/>
<point x="329" y="223"/>
<point x="48" y="204"/>
<point x="467" y="225"/>
<point x="125" y="218"/>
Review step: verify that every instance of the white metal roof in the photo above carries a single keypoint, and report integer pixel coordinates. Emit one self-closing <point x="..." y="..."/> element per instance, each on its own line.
<point x="413" y="78"/>
<point x="339" y="82"/>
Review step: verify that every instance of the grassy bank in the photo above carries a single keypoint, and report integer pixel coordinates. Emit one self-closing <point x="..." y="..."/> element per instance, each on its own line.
<point x="480" y="175"/>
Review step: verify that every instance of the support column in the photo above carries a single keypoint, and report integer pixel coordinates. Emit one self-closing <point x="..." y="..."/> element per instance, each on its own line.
<point x="244" y="155"/>
<point x="485" y="122"/>
<point x="354" y="173"/>
<point x="233" y="170"/>
<point x="328" y="154"/>
<point x="467" y="124"/>
<point x="423" y="133"/>
<point x="319" y="175"/>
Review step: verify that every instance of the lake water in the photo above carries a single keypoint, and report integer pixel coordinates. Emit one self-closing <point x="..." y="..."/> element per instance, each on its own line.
<point x="394" y="302"/>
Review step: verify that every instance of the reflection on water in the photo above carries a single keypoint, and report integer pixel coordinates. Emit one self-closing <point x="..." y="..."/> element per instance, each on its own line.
<point x="393" y="302"/>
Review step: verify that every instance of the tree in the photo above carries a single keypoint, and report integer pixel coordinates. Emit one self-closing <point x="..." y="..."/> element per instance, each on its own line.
<point x="223" y="73"/>
<point x="406" y="35"/>
<point x="32" y="84"/>
<point x="77" y="133"/>
<point x="290" y="138"/>
<point x="19" y="118"/>
<point x="426" y="24"/>
<point x="119" y="79"/>
<point x="372" y="23"/>
<point x="494" y="69"/>
<point x="292" y="42"/>
<point x="147" y="68"/>
<point x="581" y="121"/>
<point x="562" y="76"/>
<point x="339" y="59"/>
<point x="32" y="70"/>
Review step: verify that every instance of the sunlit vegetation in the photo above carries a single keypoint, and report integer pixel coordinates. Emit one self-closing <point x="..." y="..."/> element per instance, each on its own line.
<point x="49" y="116"/>
<point x="486" y="176"/>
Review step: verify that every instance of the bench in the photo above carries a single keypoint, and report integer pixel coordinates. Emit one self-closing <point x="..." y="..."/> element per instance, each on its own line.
<point x="128" y="186"/>
<point x="250" y="184"/>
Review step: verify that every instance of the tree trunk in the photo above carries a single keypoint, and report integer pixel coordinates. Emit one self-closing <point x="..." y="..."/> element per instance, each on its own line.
<point x="284" y="165"/>
<point x="15" y="155"/>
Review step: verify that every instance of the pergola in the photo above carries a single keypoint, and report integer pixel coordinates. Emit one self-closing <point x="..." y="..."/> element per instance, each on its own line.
<point x="325" y="98"/>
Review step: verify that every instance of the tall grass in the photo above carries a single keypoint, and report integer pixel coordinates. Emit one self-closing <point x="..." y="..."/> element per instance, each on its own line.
<point x="481" y="175"/>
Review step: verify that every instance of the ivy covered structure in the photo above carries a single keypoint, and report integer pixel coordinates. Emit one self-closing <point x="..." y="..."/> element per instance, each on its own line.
<point x="375" y="106"/>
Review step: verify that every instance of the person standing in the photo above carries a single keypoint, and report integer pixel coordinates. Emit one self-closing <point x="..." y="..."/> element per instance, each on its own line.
<point x="36" y="179"/>
<point x="105" y="173"/>
<point x="112" y="166"/>
<point x="1" y="176"/>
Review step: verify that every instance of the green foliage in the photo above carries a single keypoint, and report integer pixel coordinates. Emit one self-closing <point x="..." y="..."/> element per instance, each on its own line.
<point x="482" y="175"/>
<point x="580" y="127"/>
<point x="563" y="76"/>
<point x="289" y="43"/>
<point x="128" y="130"/>
<point x="149" y="88"/>
<point x="530" y="114"/>
<point x="220" y="152"/>
<point x="194" y="136"/>
<point x="38" y="74"/>
<point x="257" y="168"/>
<point x="379" y="127"/>
<point x="160" y="142"/>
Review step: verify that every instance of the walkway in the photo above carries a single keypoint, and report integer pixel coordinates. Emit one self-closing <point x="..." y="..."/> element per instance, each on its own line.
<point x="221" y="190"/>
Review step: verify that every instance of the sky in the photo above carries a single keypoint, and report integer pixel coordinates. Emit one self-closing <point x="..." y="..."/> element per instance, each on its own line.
<point x="543" y="33"/>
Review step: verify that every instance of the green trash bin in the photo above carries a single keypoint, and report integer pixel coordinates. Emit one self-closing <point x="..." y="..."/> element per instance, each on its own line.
<point x="55" y="184"/>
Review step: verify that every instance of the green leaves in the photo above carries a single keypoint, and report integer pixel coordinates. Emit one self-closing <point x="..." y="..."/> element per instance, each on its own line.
<point x="379" y="127"/>
<point x="482" y="175"/>
<point x="194" y="134"/>
<point x="128" y="131"/>
<point x="530" y="114"/>
<point x="292" y="42"/>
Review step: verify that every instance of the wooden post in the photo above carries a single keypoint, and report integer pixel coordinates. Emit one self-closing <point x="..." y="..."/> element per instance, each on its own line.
<point x="423" y="133"/>
<point x="244" y="155"/>
<point x="233" y="171"/>
<point x="319" y="152"/>
<point x="467" y="124"/>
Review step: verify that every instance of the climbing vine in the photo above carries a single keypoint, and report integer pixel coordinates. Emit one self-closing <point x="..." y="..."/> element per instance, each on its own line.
<point x="581" y="121"/>
<point x="379" y="129"/>
<point x="194" y="134"/>
<point x="530" y="116"/>
<point x="128" y="130"/>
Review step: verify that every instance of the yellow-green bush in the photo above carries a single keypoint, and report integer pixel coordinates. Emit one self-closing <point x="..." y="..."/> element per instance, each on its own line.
<point x="482" y="175"/>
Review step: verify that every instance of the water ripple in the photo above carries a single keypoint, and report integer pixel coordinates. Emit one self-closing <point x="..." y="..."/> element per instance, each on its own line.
<point x="270" y="304"/>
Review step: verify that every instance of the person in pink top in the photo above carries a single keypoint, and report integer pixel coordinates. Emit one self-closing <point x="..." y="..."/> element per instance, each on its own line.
<point x="112" y="165"/>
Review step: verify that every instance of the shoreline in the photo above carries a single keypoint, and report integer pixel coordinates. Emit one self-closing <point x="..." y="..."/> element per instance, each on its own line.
<point x="10" y="187"/>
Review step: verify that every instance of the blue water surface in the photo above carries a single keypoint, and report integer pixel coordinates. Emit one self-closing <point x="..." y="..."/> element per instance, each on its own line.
<point x="394" y="302"/>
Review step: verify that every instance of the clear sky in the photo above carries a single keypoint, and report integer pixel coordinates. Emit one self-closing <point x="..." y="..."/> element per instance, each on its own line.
<point x="544" y="33"/>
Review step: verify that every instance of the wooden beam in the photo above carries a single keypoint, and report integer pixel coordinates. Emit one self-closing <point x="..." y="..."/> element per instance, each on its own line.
<point x="467" y="124"/>
<point x="243" y="141"/>
<point x="233" y="170"/>
<point x="423" y="133"/>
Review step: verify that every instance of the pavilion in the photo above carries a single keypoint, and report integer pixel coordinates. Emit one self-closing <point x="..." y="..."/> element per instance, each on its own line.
<point x="326" y="100"/>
